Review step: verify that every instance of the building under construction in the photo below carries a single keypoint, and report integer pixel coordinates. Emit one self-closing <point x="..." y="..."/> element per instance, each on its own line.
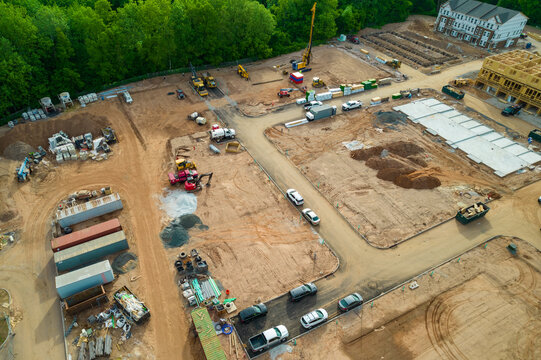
<point x="514" y="76"/>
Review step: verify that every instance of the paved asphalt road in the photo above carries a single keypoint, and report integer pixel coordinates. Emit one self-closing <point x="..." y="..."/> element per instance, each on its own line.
<point x="363" y="268"/>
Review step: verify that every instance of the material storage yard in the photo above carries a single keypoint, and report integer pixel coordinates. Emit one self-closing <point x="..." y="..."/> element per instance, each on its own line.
<point x="206" y="224"/>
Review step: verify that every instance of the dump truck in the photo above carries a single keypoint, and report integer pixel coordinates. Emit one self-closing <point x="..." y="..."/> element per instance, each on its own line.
<point x="320" y="112"/>
<point x="471" y="213"/>
<point x="454" y="92"/>
<point x="268" y="338"/>
<point x="535" y="134"/>
<point x="221" y="134"/>
<point x="134" y="308"/>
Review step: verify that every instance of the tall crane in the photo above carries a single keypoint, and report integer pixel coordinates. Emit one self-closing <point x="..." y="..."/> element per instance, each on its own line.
<point x="299" y="65"/>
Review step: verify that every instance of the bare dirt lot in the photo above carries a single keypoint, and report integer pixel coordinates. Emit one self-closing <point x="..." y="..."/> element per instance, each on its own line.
<point x="484" y="304"/>
<point x="417" y="44"/>
<point x="254" y="233"/>
<point x="405" y="182"/>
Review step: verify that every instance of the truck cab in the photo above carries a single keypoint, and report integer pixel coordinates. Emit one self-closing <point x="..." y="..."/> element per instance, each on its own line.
<point x="268" y="338"/>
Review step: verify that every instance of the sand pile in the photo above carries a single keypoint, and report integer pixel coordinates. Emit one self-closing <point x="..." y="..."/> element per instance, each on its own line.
<point x="400" y="162"/>
<point x="17" y="150"/>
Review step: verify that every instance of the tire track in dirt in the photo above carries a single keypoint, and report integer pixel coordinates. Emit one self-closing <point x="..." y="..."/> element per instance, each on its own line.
<point x="132" y="123"/>
<point x="438" y="313"/>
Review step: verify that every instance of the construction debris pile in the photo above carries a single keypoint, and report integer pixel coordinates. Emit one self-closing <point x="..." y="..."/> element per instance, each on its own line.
<point x="66" y="148"/>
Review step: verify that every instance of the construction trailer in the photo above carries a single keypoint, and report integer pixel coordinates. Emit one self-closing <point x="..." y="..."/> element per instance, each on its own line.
<point x="89" y="210"/>
<point x="83" y="279"/>
<point x="47" y="105"/>
<point x="513" y="76"/>
<point x="307" y="53"/>
<point x="65" y="99"/>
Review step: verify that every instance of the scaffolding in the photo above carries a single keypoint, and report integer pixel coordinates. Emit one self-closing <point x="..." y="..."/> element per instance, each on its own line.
<point x="514" y="76"/>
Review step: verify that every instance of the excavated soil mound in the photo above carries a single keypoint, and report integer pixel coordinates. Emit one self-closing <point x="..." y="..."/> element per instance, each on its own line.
<point x="400" y="163"/>
<point x="391" y="174"/>
<point x="389" y="119"/>
<point x="37" y="133"/>
<point x="17" y="151"/>
<point x="378" y="163"/>
<point x="365" y="154"/>
<point x="411" y="181"/>
<point x="404" y="149"/>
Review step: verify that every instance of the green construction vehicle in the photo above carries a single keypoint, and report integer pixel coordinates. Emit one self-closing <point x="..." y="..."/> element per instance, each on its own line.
<point x="535" y="134"/>
<point x="471" y="213"/>
<point x="454" y="92"/>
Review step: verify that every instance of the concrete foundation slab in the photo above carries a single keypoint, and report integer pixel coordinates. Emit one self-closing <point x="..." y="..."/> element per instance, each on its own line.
<point x="480" y="142"/>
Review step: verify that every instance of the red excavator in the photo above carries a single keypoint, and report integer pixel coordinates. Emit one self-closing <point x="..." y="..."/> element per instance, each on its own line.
<point x="182" y="176"/>
<point x="193" y="184"/>
<point x="286" y="91"/>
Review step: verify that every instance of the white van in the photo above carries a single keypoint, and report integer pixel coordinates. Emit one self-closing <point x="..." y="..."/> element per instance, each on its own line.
<point x="127" y="97"/>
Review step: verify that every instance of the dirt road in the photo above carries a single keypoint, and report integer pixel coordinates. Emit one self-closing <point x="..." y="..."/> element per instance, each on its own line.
<point x="366" y="269"/>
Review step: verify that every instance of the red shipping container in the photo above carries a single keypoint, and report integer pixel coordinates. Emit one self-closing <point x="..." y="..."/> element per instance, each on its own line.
<point x="82" y="236"/>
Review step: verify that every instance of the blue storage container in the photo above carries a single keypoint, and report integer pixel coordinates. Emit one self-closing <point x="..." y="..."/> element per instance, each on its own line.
<point x="84" y="279"/>
<point x="89" y="210"/>
<point x="90" y="251"/>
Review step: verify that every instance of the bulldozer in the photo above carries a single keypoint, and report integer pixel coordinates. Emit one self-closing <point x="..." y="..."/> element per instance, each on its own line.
<point x="183" y="164"/>
<point x="394" y="63"/>
<point x="193" y="184"/>
<point x="461" y="82"/>
<point x="317" y="82"/>
<point x="307" y="54"/>
<point x="242" y="72"/>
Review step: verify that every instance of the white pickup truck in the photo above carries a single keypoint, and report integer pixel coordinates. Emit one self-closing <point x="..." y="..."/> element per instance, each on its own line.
<point x="268" y="338"/>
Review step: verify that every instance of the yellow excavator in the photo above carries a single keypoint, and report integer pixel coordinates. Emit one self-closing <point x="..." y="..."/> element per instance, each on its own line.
<point x="299" y="65"/>
<point x="242" y="72"/>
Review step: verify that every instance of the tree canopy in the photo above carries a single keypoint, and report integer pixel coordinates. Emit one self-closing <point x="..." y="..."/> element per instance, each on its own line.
<point x="50" y="46"/>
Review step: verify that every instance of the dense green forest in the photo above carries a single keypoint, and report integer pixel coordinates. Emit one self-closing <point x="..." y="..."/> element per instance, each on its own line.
<point x="49" y="46"/>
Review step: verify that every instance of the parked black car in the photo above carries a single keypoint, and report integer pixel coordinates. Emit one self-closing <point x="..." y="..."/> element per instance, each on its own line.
<point x="252" y="312"/>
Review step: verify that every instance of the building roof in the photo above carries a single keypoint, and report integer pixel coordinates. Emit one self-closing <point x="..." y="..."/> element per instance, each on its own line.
<point x="482" y="10"/>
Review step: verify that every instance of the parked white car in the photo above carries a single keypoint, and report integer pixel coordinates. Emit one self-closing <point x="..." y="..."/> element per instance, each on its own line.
<point x="311" y="104"/>
<point x="314" y="318"/>
<point x="311" y="216"/>
<point x="352" y="104"/>
<point x="294" y="197"/>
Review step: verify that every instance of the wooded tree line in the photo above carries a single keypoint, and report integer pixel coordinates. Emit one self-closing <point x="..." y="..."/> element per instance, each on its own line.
<point x="49" y="46"/>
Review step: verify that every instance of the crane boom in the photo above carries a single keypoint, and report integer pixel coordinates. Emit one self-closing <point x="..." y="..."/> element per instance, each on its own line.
<point x="307" y="54"/>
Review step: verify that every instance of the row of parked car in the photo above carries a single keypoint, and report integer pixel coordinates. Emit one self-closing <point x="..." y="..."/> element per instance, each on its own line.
<point x="280" y="333"/>
<point x="349" y="105"/>
<point x="297" y="200"/>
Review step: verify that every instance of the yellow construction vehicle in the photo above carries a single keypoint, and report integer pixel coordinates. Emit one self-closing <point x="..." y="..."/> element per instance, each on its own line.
<point x="461" y="82"/>
<point x="394" y="63"/>
<point x="299" y="65"/>
<point x="242" y="72"/>
<point x="183" y="164"/>
<point x="209" y="80"/>
<point x="197" y="83"/>
<point x="317" y="82"/>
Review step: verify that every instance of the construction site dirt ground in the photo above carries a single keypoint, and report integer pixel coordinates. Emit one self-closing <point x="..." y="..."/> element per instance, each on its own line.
<point x="373" y="195"/>
<point x="254" y="233"/>
<point x="421" y="28"/>
<point x="482" y="305"/>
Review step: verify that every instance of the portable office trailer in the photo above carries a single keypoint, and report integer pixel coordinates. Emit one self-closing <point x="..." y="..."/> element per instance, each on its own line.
<point x="82" y="279"/>
<point x="91" y="209"/>
<point x="90" y="251"/>
<point x="84" y="235"/>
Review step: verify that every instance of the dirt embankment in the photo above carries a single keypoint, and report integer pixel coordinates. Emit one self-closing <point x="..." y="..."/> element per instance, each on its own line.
<point x="400" y="162"/>
<point x="37" y="133"/>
